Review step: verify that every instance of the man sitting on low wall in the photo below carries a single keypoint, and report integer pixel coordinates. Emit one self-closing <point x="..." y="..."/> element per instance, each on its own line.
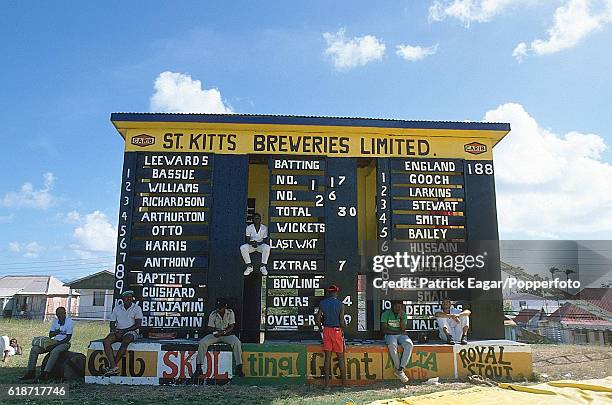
<point x="453" y="323"/>
<point x="221" y="322"/>
<point x="57" y="342"/>
<point x="125" y="322"/>
<point x="393" y="324"/>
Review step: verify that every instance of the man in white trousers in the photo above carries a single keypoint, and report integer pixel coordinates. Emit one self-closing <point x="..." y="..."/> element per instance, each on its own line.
<point x="256" y="239"/>
<point x="453" y="323"/>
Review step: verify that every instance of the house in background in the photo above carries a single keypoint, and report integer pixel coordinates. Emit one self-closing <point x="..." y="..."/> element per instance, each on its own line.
<point x="517" y="301"/>
<point x="34" y="297"/>
<point x="95" y="293"/>
<point x="587" y="319"/>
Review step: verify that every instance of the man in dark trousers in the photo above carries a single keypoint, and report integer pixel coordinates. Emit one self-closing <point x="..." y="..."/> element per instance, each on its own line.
<point x="221" y="323"/>
<point x="126" y="319"/>
<point x="330" y="320"/>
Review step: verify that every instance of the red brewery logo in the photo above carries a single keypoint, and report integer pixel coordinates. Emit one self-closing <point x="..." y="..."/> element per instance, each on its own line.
<point x="475" y="148"/>
<point x="143" y="140"/>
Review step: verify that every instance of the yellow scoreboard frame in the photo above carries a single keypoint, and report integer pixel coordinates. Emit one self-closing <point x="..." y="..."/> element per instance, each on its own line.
<point x="229" y="143"/>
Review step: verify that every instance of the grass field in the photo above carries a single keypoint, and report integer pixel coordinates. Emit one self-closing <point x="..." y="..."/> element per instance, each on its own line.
<point x="555" y="361"/>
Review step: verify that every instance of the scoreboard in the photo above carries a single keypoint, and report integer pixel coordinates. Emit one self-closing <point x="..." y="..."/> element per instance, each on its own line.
<point x="162" y="249"/>
<point x="421" y="210"/>
<point x="313" y="203"/>
<point x="331" y="189"/>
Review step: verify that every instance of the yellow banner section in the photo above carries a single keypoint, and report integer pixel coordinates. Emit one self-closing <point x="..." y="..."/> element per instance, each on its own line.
<point x="312" y="140"/>
<point x="133" y="364"/>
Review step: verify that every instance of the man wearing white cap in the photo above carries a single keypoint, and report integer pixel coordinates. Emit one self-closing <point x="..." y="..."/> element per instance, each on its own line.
<point x="125" y="322"/>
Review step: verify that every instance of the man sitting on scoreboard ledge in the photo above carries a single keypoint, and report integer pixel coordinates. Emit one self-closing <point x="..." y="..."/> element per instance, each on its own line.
<point x="453" y="323"/>
<point x="256" y="239"/>
<point x="221" y="322"/>
<point x="125" y="322"/>
<point x="393" y="323"/>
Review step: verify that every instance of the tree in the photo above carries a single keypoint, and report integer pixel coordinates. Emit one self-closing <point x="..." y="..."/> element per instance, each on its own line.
<point x="567" y="274"/>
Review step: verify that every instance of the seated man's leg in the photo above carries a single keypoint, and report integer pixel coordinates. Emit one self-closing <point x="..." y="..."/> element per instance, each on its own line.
<point x="245" y="251"/>
<point x="464" y="324"/>
<point x="443" y="328"/>
<point x="125" y="342"/>
<point x="265" y="253"/>
<point x="34" y="352"/>
<point x="54" y="355"/>
<point x="108" y="349"/>
<point x="236" y="345"/>
<point x="407" y="344"/>
<point x="455" y="329"/>
<point x="391" y="342"/>
<point x="202" y="349"/>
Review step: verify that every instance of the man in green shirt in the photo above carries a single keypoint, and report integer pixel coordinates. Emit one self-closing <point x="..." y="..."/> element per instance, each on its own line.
<point x="393" y="324"/>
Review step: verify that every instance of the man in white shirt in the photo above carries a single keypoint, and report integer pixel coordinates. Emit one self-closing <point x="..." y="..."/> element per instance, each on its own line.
<point x="453" y="323"/>
<point x="125" y="321"/>
<point x="9" y="347"/>
<point x="256" y="241"/>
<point x="61" y="333"/>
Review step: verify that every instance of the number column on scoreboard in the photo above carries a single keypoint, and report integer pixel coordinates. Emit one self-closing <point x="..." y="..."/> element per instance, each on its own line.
<point x="125" y="224"/>
<point x="169" y="251"/>
<point x="342" y="241"/>
<point x="297" y="229"/>
<point x="384" y="217"/>
<point x="428" y="220"/>
<point x="487" y="321"/>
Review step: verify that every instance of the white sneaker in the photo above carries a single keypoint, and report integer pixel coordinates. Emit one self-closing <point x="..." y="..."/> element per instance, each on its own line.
<point x="248" y="270"/>
<point x="264" y="271"/>
<point x="401" y="375"/>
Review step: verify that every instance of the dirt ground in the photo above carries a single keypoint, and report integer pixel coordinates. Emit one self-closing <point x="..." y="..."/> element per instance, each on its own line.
<point x="550" y="362"/>
<point x="554" y="362"/>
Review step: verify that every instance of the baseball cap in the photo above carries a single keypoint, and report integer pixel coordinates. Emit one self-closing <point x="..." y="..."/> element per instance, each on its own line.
<point x="127" y="292"/>
<point x="333" y="288"/>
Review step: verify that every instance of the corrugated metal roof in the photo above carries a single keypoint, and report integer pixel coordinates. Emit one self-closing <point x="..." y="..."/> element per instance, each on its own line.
<point x="525" y="315"/>
<point x="100" y="275"/>
<point x="308" y="120"/>
<point x="601" y="297"/>
<point x="569" y="312"/>
<point x="32" y="285"/>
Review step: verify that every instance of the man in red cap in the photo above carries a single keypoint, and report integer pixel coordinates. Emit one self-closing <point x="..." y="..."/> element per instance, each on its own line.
<point x="330" y="320"/>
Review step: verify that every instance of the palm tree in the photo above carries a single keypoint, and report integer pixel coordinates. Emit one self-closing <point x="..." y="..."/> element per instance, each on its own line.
<point x="553" y="270"/>
<point x="567" y="273"/>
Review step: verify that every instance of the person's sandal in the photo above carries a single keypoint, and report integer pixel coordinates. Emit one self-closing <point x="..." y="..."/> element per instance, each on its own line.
<point x="111" y="372"/>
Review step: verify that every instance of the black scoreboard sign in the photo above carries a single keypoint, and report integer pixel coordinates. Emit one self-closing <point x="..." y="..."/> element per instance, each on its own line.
<point x="162" y="250"/>
<point x="425" y="188"/>
<point x="313" y="204"/>
<point x="421" y="209"/>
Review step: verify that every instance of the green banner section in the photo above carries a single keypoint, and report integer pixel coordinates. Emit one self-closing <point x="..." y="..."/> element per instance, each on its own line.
<point x="273" y="364"/>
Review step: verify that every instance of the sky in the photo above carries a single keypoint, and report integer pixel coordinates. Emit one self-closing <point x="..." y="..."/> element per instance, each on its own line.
<point x="543" y="66"/>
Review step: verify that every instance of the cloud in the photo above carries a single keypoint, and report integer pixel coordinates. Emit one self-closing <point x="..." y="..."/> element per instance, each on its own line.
<point x="94" y="234"/>
<point x="572" y="22"/>
<point x="548" y="183"/>
<point x="349" y="53"/>
<point x="179" y="93"/>
<point x="414" y="53"/>
<point x="520" y="52"/>
<point x="467" y="11"/>
<point x="28" y="197"/>
<point x="28" y="250"/>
